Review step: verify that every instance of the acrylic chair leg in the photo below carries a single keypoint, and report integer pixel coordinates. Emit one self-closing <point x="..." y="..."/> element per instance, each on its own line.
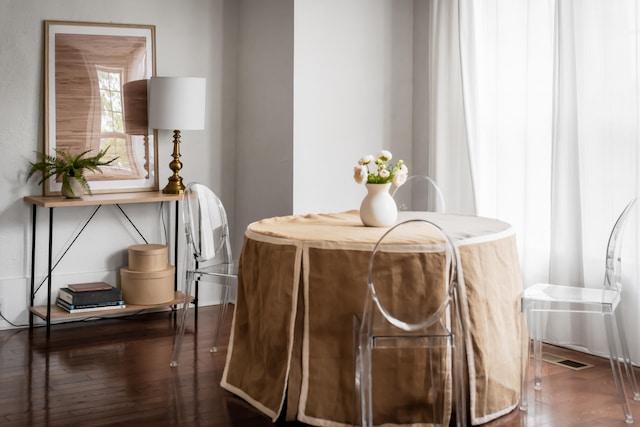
<point x="222" y="311"/>
<point x="460" y="381"/>
<point x="460" y="366"/>
<point x="357" y="367"/>
<point x="611" y="330"/>
<point x="366" y="392"/>
<point x="436" y="412"/>
<point x="182" y="320"/>
<point x="524" y="361"/>
<point x="628" y="366"/>
<point x="537" y="350"/>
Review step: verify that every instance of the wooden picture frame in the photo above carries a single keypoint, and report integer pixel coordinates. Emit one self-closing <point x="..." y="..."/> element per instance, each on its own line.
<point x="87" y="66"/>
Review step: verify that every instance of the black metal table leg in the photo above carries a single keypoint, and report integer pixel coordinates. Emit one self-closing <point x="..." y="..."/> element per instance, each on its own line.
<point x="49" y="274"/>
<point x="33" y="263"/>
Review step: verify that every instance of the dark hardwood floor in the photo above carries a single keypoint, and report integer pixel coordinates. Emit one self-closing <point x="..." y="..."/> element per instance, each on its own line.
<point x="116" y="373"/>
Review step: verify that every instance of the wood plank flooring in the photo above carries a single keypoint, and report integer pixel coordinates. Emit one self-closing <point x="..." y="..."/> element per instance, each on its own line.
<point x="116" y="372"/>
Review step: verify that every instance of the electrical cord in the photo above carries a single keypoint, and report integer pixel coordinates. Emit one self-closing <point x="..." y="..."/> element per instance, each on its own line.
<point x="10" y="322"/>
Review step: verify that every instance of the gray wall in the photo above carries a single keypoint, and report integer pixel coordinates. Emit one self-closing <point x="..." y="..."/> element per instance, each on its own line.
<point x="264" y="145"/>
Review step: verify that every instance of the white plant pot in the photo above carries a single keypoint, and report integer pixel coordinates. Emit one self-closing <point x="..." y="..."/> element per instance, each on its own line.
<point x="77" y="190"/>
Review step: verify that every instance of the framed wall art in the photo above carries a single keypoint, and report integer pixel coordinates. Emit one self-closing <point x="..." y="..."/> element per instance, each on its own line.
<point x="95" y="97"/>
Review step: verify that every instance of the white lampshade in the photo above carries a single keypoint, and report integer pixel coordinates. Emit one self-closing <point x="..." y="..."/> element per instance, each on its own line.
<point x="176" y="103"/>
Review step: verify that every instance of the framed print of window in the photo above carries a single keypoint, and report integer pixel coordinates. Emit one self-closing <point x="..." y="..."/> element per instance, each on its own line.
<point x="95" y="97"/>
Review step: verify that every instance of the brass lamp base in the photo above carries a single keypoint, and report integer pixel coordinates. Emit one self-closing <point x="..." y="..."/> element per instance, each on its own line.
<point x="175" y="185"/>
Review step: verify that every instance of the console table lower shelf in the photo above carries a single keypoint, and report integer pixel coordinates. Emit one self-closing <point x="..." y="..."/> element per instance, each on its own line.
<point x="59" y="314"/>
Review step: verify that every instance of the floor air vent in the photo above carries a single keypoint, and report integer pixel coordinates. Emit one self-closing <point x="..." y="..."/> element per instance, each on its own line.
<point x="563" y="361"/>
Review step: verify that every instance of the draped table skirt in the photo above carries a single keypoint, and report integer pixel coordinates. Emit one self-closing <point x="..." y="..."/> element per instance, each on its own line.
<point x="301" y="280"/>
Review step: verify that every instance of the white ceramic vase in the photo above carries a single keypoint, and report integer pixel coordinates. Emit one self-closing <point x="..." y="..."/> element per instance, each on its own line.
<point x="77" y="190"/>
<point x="378" y="209"/>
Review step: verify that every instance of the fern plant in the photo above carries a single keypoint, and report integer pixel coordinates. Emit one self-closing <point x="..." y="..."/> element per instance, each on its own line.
<point x="67" y="165"/>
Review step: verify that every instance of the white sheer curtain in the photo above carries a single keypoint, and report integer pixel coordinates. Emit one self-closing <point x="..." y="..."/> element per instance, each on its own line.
<point x="549" y="97"/>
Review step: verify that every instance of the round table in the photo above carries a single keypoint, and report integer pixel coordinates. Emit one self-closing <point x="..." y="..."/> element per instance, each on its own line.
<point x="302" y="278"/>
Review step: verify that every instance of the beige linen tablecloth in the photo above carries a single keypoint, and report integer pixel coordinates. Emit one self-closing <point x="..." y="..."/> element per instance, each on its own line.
<point x="302" y="278"/>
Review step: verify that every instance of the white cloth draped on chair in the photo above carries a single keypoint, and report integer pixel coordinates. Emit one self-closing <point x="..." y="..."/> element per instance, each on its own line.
<point x="547" y="92"/>
<point x="208" y="226"/>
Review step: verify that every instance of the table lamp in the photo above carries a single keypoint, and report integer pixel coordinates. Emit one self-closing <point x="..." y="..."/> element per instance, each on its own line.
<point x="176" y="103"/>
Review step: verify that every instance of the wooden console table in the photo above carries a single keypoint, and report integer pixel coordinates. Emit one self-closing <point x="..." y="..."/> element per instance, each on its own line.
<point x="47" y="312"/>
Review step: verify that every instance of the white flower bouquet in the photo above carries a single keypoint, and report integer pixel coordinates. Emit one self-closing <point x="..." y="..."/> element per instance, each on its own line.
<point x="381" y="172"/>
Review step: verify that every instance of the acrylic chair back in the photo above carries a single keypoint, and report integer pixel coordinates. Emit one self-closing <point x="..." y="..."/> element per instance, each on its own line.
<point x="613" y="262"/>
<point x="205" y="224"/>
<point x="419" y="193"/>
<point x="411" y="302"/>
<point x="387" y="266"/>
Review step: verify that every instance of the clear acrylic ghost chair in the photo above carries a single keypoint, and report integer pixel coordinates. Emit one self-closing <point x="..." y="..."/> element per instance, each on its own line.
<point x="207" y="255"/>
<point x="419" y="193"/>
<point x="412" y="303"/>
<point x="542" y="298"/>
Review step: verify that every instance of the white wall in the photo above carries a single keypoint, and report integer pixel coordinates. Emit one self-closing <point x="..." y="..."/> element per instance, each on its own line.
<point x="193" y="38"/>
<point x="353" y="95"/>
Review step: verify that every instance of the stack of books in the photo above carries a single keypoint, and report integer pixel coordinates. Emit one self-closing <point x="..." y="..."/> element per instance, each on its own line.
<point x="84" y="297"/>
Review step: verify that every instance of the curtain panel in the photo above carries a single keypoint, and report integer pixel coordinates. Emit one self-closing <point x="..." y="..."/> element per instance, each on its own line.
<point x="533" y="119"/>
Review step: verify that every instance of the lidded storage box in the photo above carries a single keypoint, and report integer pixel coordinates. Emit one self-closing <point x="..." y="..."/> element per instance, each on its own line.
<point x="148" y="280"/>
<point x="148" y="257"/>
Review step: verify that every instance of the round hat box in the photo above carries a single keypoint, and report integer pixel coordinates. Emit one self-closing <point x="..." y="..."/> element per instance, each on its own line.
<point x="148" y="257"/>
<point x="147" y="287"/>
